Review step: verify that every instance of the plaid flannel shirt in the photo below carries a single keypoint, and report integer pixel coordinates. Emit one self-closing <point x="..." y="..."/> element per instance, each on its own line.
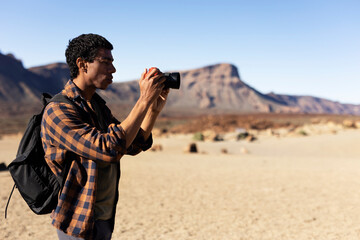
<point x="70" y="137"/>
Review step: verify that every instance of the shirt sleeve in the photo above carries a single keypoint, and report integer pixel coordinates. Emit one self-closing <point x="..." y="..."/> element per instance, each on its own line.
<point x="65" y="129"/>
<point x="140" y="144"/>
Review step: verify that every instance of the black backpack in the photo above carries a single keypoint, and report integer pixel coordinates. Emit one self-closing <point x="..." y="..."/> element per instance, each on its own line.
<point x="32" y="176"/>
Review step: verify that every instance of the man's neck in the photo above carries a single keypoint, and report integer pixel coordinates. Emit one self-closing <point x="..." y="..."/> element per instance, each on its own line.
<point x="85" y="91"/>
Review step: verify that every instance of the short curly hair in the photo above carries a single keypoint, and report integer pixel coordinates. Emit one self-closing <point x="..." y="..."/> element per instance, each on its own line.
<point x="85" y="46"/>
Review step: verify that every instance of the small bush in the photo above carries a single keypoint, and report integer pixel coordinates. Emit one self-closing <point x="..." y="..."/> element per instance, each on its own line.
<point x="303" y="133"/>
<point x="198" y="136"/>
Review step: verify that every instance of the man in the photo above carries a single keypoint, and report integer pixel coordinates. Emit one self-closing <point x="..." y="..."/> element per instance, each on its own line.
<point x="85" y="138"/>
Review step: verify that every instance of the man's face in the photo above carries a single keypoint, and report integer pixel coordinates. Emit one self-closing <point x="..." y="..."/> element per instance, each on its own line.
<point x="99" y="72"/>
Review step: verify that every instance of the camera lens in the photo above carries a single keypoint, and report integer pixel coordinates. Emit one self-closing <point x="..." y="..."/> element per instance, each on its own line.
<point x="172" y="80"/>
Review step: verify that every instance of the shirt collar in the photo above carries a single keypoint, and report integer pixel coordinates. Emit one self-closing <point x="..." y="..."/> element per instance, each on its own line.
<point x="73" y="92"/>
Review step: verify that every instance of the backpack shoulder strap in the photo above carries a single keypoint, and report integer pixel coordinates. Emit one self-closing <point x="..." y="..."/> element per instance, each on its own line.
<point x="61" y="98"/>
<point x="7" y="204"/>
<point x="45" y="98"/>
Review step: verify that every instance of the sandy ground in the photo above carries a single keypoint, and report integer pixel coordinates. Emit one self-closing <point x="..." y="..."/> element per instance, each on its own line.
<point x="284" y="188"/>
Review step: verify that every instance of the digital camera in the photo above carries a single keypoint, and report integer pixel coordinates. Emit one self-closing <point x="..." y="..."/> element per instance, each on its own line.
<point x="172" y="79"/>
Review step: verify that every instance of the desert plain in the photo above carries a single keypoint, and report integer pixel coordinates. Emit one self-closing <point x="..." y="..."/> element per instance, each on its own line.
<point x="279" y="187"/>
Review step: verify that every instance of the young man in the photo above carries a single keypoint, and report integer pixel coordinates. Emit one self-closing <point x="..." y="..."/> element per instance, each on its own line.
<point x="88" y="140"/>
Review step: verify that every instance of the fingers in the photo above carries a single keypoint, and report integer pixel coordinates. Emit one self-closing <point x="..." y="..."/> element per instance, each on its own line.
<point x="164" y="93"/>
<point x="160" y="78"/>
<point x="144" y="74"/>
<point x="155" y="78"/>
<point x="156" y="74"/>
<point x="152" y="72"/>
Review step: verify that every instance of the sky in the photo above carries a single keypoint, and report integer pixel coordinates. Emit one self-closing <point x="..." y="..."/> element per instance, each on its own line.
<point x="297" y="47"/>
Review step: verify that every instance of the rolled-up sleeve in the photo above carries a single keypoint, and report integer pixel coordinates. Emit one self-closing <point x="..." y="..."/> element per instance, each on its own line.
<point x="139" y="144"/>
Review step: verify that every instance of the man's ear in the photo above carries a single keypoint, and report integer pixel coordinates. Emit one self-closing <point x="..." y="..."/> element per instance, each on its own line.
<point x="81" y="64"/>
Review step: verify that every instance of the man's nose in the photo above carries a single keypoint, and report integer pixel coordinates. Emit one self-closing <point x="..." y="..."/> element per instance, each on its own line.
<point x="112" y="68"/>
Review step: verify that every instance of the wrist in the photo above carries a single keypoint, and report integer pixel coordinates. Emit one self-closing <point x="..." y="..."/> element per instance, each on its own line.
<point x="155" y="109"/>
<point x="153" y="112"/>
<point x="144" y="102"/>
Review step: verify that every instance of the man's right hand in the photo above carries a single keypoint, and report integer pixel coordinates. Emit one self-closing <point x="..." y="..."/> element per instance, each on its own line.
<point x="151" y="85"/>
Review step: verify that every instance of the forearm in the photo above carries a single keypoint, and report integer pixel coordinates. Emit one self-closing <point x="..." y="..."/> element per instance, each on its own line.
<point x="142" y="115"/>
<point x="149" y="122"/>
<point x="133" y="122"/>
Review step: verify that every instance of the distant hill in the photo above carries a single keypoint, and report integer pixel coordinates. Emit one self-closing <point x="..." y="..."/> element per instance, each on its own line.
<point x="208" y="90"/>
<point x="56" y="73"/>
<point x="20" y="88"/>
<point x="309" y="104"/>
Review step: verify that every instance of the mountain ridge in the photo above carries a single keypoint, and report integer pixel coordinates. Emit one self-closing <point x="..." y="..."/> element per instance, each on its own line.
<point x="212" y="89"/>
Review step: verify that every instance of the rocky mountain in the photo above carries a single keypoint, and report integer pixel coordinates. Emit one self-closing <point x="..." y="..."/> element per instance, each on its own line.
<point x="57" y="74"/>
<point x="208" y="90"/>
<point x="219" y="89"/>
<point x="310" y="104"/>
<point x="212" y="89"/>
<point x="20" y="85"/>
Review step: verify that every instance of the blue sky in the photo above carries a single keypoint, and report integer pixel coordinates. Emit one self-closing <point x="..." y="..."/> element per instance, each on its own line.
<point x="288" y="47"/>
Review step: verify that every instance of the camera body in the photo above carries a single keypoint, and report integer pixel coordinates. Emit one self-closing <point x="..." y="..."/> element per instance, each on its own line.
<point x="172" y="79"/>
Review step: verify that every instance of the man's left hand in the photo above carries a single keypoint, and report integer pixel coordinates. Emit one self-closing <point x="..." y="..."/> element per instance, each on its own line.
<point x="159" y="103"/>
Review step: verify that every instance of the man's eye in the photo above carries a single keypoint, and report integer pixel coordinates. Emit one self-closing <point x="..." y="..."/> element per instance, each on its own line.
<point x="104" y="61"/>
<point x="107" y="62"/>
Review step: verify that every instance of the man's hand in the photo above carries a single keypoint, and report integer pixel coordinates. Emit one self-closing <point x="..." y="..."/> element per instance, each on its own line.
<point x="151" y="86"/>
<point x="153" y="112"/>
<point x="159" y="103"/>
